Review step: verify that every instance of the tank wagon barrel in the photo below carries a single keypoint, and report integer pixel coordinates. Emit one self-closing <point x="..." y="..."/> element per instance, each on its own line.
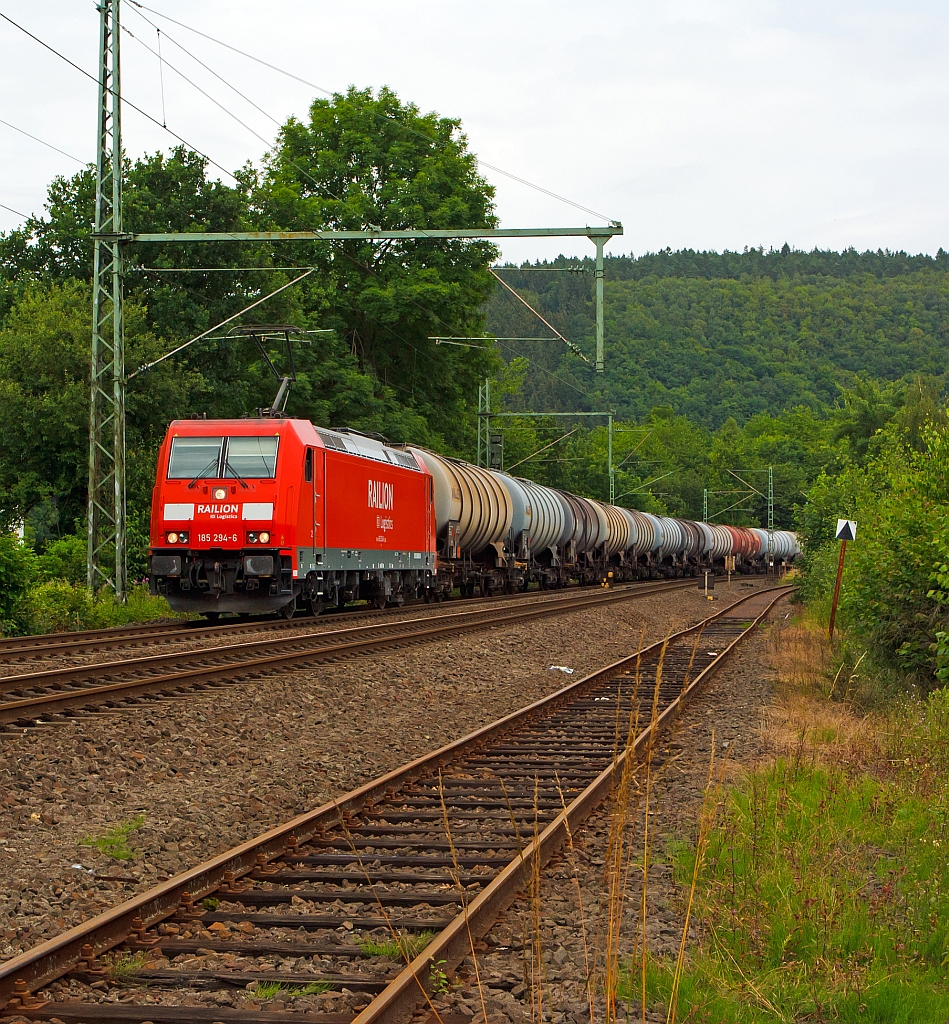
<point x="273" y="513"/>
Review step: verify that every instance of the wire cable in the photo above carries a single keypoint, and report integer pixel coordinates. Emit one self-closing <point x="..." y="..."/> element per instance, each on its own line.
<point x="126" y="102"/>
<point x="48" y="145"/>
<point x="328" y="92"/>
<point x="25" y="216"/>
<point x="194" y="85"/>
<point x="206" y="67"/>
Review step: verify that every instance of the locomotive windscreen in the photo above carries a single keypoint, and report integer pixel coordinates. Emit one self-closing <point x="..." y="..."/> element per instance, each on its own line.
<point x="217" y="458"/>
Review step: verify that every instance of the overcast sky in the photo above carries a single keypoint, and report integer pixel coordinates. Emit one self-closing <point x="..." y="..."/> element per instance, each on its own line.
<point x="709" y="124"/>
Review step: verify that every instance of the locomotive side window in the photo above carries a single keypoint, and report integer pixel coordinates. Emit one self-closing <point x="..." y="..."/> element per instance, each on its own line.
<point x="251" y="457"/>
<point x="308" y="465"/>
<point x="194" y="457"/>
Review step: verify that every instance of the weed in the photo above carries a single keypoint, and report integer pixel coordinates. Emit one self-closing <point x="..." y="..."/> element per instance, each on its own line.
<point x="401" y="947"/>
<point x="115" y="842"/>
<point x="210" y="903"/>
<point x="823" y="888"/>
<point x="438" y="977"/>
<point x="125" y="968"/>
<point x="272" y="989"/>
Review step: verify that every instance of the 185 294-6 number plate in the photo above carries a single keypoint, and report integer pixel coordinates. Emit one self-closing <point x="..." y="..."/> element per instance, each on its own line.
<point x="217" y="538"/>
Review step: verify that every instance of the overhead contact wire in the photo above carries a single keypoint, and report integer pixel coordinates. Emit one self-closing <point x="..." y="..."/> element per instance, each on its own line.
<point x="42" y="142"/>
<point x="128" y="103"/>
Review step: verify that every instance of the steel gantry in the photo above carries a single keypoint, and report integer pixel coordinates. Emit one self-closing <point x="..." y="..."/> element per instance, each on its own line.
<point x="106" y="510"/>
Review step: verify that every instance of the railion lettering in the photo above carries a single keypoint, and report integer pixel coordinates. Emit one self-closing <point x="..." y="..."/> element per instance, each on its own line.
<point x="381" y="495"/>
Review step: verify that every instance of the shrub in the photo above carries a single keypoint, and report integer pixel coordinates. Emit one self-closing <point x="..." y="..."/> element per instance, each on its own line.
<point x="17" y="569"/>
<point x="64" y="559"/>
<point x="58" y="606"/>
<point x="894" y="600"/>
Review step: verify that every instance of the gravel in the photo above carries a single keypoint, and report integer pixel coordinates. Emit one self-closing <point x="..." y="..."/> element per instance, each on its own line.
<point x="733" y="707"/>
<point x="214" y="769"/>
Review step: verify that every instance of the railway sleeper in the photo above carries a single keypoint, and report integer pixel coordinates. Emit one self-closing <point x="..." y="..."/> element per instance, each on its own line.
<point x="390" y="905"/>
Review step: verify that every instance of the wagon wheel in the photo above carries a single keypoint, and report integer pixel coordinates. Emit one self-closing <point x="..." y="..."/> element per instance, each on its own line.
<point x="211" y="616"/>
<point x="316" y="605"/>
<point x="378" y="601"/>
<point x="288" y="609"/>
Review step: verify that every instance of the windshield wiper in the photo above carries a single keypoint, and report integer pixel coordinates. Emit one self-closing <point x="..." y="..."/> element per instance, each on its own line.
<point x="210" y="465"/>
<point x="237" y="476"/>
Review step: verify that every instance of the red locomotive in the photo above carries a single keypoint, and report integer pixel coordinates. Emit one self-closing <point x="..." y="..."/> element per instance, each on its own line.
<point x="265" y="514"/>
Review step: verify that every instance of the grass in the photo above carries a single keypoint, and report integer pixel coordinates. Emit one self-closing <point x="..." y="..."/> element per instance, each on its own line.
<point x="823" y="888"/>
<point x="274" y="989"/>
<point x="402" y="947"/>
<point x="126" y="968"/>
<point x="114" y="843"/>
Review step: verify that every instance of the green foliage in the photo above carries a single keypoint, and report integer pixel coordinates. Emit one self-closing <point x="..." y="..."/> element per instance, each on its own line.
<point x="58" y="605"/>
<point x="275" y="989"/>
<point x="114" y="842"/>
<point x="63" y="559"/>
<point x="17" y="569"/>
<point x="734" y="335"/>
<point x="893" y="600"/>
<point x="126" y="968"/>
<point x="825" y="892"/>
<point x="403" y="946"/>
<point x="44" y="406"/>
<point x="359" y="159"/>
<point x="364" y="159"/>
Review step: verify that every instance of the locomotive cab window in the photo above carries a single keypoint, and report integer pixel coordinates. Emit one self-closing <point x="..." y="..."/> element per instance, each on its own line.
<point x="308" y="465"/>
<point x="217" y="458"/>
<point x="194" y="457"/>
<point x="250" y="457"/>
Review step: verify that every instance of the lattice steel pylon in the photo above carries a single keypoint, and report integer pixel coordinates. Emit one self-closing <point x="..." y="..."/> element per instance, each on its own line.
<point x="106" y="509"/>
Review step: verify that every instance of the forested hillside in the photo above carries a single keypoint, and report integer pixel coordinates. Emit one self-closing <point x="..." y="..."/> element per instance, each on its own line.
<point x="714" y="336"/>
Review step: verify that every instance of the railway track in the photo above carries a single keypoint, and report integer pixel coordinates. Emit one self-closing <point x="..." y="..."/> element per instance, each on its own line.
<point x="55" y="645"/>
<point x="416" y="864"/>
<point x="30" y="698"/>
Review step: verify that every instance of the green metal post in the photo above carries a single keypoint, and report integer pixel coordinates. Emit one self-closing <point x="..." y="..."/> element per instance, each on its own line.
<point x="598" y="277"/>
<point x="487" y="424"/>
<point x="106" y="565"/>
<point x="610" y="457"/>
<point x="480" y="417"/>
<point x="771" y="519"/>
<point x="705" y="506"/>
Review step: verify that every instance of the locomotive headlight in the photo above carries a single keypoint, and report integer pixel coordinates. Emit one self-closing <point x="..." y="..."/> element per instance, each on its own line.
<point x="219" y="493"/>
<point x="182" y="538"/>
<point x="172" y="538"/>
<point x="264" y="537"/>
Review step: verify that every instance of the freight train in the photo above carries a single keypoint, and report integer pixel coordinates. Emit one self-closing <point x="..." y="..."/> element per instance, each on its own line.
<point x="273" y="514"/>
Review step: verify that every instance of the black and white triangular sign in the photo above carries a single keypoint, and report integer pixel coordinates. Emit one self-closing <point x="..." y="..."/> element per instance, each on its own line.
<point x="846" y="529"/>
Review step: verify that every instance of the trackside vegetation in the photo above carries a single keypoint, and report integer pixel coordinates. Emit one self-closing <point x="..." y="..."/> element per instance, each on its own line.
<point x="822" y="889"/>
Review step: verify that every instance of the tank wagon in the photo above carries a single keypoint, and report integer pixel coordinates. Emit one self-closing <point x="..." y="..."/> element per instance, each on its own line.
<point x="272" y="514"/>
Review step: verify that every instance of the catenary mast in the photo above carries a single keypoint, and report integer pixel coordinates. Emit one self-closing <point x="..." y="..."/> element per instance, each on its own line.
<point x="106" y="508"/>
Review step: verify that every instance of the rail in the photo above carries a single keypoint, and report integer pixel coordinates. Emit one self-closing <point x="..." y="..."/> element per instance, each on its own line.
<point x="442" y="844"/>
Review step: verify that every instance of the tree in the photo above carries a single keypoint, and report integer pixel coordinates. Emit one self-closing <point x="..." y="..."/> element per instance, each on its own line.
<point x="44" y="407"/>
<point x="361" y="161"/>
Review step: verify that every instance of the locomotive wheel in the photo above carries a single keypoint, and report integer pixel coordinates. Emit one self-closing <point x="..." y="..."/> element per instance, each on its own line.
<point x="316" y="605"/>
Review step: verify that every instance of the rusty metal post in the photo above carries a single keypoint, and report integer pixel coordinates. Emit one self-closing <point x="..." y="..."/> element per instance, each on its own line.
<point x="840" y="572"/>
